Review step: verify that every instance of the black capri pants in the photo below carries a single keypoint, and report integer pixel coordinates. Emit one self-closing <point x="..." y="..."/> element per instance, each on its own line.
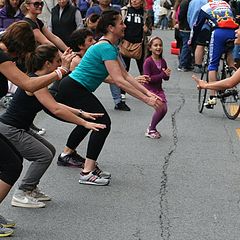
<point x="73" y="94"/>
<point x="10" y="162"/>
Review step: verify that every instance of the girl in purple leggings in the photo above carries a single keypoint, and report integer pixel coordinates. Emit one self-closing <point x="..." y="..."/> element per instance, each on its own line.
<point x="156" y="68"/>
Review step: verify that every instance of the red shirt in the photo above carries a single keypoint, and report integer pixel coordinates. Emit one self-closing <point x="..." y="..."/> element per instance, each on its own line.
<point x="149" y="5"/>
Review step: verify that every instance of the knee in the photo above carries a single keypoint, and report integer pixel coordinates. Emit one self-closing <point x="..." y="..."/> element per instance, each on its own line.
<point x="163" y="109"/>
<point x="47" y="156"/>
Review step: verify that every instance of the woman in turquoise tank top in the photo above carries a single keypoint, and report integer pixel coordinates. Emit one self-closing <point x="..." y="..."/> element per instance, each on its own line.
<point x="101" y="60"/>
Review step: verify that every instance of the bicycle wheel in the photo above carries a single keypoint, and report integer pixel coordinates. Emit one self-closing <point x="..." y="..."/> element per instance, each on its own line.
<point x="202" y="93"/>
<point x="231" y="102"/>
<point x="230" y="99"/>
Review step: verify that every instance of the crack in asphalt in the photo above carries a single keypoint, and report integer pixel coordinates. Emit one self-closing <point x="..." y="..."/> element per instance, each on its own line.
<point x="164" y="220"/>
<point x="230" y="141"/>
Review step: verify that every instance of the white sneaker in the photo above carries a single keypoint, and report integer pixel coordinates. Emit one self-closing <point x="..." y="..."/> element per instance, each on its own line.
<point x="212" y="101"/>
<point x="123" y="97"/>
<point x="40" y="196"/>
<point x="93" y="179"/>
<point x="21" y="199"/>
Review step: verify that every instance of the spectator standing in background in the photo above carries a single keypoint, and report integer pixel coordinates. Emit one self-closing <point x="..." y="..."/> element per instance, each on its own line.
<point x="176" y="9"/>
<point x="136" y="29"/>
<point x="236" y="11"/>
<point x="42" y="35"/>
<point x="103" y="5"/>
<point x="65" y="18"/>
<point x="149" y="10"/>
<point x="83" y="6"/>
<point x="185" y="61"/>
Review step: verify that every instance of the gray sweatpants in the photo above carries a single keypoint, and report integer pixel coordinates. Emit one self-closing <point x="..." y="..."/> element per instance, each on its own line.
<point x="32" y="147"/>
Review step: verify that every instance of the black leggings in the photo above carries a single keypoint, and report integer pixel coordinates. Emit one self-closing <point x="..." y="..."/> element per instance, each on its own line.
<point x="10" y="162"/>
<point x="75" y="95"/>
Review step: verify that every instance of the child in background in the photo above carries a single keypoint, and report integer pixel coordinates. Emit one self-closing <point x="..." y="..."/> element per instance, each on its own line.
<point x="156" y="68"/>
<point x="91" y="23"/>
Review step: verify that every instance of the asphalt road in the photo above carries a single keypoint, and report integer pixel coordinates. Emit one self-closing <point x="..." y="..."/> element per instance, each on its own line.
<point x="184" y="186"/>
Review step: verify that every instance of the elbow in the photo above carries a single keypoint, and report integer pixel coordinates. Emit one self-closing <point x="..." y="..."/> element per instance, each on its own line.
<point x="57" y="112"/>
<point x="117" y="82"/>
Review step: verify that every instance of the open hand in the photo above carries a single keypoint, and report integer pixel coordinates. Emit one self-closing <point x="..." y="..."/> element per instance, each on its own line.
<point x="167" y="71"/>
<point x="91" y="116"/>
<point x="94" y="126"/>
<point x="154" y="101"/>
<point x="200" y="83"/>
<point x="143" y="79"/>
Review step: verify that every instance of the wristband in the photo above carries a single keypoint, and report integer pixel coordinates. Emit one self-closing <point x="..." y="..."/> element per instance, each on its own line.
<point x="63" y="70"/>
<point x="59" y="74"/>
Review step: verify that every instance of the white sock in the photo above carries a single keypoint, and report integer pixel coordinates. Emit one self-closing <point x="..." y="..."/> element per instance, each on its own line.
<point x="64" y="154"/>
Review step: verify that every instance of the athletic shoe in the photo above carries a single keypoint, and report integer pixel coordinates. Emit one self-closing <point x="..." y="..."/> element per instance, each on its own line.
<point x="21" y="199"/>
<point x="154" y="134"/>
<point x="211" y="102"/>
<point x="184" y="69"/>
<point x="122" y="106"/>
<point x="39" y="131"/>
<point x="123" y="96"/>
<point x="6" y="223"/>
<point x="93" y="179"/>
<point x="101" y="173"/>
<point x="5" y="101"/>
<point x="37" y="194"/>
<point x="197" y="69"/>
<point x="5" y="232"/>
<point x="71" y="160"/>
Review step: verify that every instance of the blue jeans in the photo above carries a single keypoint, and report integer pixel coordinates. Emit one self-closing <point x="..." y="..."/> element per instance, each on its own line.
<point x="185" y="60"/>
<point x="116" y="93"/>
<point x="163" y="22"/>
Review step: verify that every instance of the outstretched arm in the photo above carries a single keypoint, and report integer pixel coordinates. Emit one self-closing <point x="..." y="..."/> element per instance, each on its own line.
<point x="130" y="85"/>
<point x="62" y="111"/>
<point x="219" y="85"/>
<point x="16" y="76"/>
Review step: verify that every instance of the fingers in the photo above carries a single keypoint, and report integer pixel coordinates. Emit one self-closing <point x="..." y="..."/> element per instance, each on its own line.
<point x="194" y="77"/>
<point x="97" y="126"/>
<point x="198" y="81"/>
<point x="97" y="114"/>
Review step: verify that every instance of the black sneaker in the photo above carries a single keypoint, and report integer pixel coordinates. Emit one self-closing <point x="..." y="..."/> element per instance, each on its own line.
<point x="71" y="160"/>
<point x="122" y="106"/>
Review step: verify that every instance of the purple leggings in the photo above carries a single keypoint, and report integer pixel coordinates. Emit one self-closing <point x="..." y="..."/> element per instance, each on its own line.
<point x="158" y="115"/>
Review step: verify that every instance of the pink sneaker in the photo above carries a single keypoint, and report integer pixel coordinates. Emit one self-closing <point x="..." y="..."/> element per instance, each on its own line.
<point x="154" y="134"/>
